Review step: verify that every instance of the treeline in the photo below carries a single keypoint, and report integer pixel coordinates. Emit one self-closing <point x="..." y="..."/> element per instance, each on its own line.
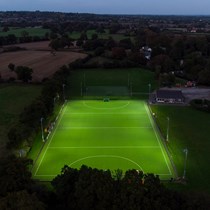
<point x="13" y="39"/>
<point x="23" y="132"/>
<point x="201" y="104"/>
<point x="182" y="55"/>
<point x="89" y="188"/>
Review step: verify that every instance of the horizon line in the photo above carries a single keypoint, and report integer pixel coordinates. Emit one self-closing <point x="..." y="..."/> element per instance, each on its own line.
<point x="125" y="14"/>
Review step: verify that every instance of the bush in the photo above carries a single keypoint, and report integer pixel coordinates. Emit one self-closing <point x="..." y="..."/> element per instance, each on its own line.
<point x="201" y="104"/>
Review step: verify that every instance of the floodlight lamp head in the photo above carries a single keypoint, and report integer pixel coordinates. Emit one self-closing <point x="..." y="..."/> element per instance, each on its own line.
<point x="185" y="150"/>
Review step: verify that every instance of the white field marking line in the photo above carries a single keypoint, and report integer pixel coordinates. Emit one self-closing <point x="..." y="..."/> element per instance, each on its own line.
<point x="164" y="174"/>
<point x="119" y="107"/>
<point x="114" y="113"/>
<point x="56" y="175"/>
<point x="54" y="131"/>
<point x="70" y="127"/>
<point x="157" y="138"/>
<point x="46" y="175"/>
<point x="106" y="156"/>
<point x="109" y="147"/>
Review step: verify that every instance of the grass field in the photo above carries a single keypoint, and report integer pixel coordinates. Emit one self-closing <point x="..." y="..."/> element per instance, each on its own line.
<point x="40" y="32"/>
<point x="189" y="128"/>
<point x="13" y="99"/>
<point x="106" y="35"/>
<point x="105" y="135"/>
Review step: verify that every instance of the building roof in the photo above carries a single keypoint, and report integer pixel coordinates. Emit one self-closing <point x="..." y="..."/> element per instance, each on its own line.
<point x="169" y="94"/>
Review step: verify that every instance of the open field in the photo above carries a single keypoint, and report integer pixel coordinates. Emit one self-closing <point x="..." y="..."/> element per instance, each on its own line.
<point x="13" y="99"/>
<point x="106" y="35"/>
<point x="189" y="128"/>
<point x="105" y="135"/>
<point x="43" y="63"/>
<point x="36" y="31"/>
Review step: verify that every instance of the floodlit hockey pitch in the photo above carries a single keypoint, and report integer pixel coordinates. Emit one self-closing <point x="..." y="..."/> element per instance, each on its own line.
<point x="119" y="134"/>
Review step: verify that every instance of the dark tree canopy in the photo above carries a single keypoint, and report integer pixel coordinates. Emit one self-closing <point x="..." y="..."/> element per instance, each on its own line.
<point x="24" y="73"/>
<point x="89" y="188"/>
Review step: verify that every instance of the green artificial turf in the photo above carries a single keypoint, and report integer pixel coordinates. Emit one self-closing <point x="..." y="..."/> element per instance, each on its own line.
<point x="105" y="135"/>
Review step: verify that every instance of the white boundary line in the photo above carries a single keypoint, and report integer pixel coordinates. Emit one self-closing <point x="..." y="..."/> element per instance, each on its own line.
<point x="109" y="147"/>
<point x="119" y="107"/>
<point x="100" y="113"/>
<point x="57" y="174"/>
<point x="70" y="127"/>
<point x="157" y="138"/>
<point x="54" y="131"/>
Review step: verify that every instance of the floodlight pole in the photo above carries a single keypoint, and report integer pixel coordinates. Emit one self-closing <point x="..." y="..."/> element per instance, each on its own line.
<point x="149" y="85"/>
<point x="131" y="89"/>
<point x="128" y="79"/>
<point x="42" y="128"/>
<point x="84" y="80"/>
<point x="185" y="162"/>
<point x="64" y="98"/>
<point x="167" y="135"/>
<point x="81" y="88"/>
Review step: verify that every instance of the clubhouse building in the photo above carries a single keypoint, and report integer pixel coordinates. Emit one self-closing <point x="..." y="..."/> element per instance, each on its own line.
<point x="169" y="96"/>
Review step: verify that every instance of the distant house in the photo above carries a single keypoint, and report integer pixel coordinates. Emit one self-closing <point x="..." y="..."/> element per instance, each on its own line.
<point x="147" y="51"/>
<point x="169" y="96"/>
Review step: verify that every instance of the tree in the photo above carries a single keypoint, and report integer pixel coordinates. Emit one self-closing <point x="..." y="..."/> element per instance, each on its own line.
<point x="94" y="36"/>
<point x="163" y="61"/>
<point x="5" y="29"/>
<point x="21" y="200"/>
<point x="55" y="44"/>
<point x="24" y="73"/>
<point x="15" y="136"/>
<point x="14" y="174"/>
<point x="11" y="39"/>
<point x="83" y="36"/>
<point x="204" y="77"/>
<point x="118" y="52"/>
<point x="11" y="66"/>
<point x="25" y="37"/>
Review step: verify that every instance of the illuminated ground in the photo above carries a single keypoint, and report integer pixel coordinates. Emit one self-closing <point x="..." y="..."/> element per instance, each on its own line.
<point x="105" y="135"/>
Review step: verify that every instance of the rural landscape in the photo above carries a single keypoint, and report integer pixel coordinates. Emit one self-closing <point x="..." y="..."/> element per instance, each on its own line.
<point x="104" y="111"/>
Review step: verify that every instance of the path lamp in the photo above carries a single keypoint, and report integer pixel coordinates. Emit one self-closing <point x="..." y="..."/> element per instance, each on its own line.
<point x="64" y="98"/>
<point x="185" y="162"/>
<point x="167" y="134"/>
<point x="41" y="120"/>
